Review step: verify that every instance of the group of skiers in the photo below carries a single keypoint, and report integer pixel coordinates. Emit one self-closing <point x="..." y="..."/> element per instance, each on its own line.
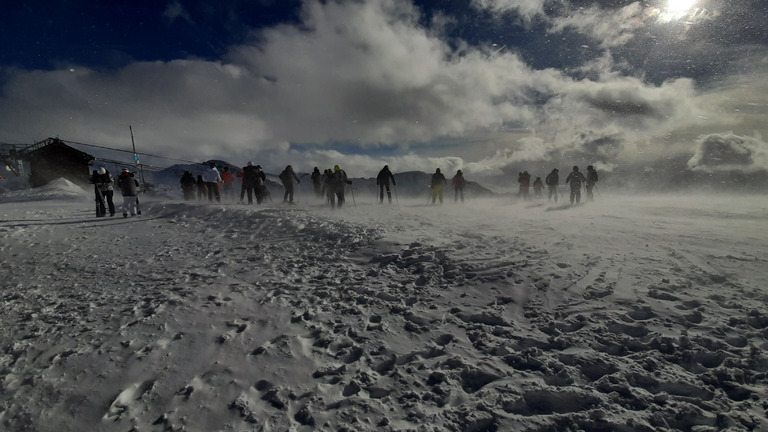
<point x="214" y="184"/>
<point x="439" y="181"/>
<point x="331" y="184"/>
<point x="575" y="179"/>
<point x="103" y="185"/>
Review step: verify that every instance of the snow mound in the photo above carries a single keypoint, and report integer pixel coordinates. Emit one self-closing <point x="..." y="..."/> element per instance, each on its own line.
<point x="59" y="189"/>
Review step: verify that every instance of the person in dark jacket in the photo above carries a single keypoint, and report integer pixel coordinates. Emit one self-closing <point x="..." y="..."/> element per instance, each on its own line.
<point x="330" y="194"/>
<point x="382" y="180"/>
<point x="103" y="183"/>
<point x="287" y="177"/>
<point x="317" y="182"/>
<point x="260" y="190"/>
<point x="525" y="183"/>
<point x="129" y="187"/>
<point x="537" y="186"/>
<point x="100" y="208"/>
<point x="438" y="181"/>
<point x="553" y="180"/>
<point x="188" y="185"/>
<point x="201" y="189"/>
<point x="458" y="186"/>
<point x="575" y="178"/>
<point x="253" y="177"/>
<point x="339" y="182"/>
<point x="591" y="181"/>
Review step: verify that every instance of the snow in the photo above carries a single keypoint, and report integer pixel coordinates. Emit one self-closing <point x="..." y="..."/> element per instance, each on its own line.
<point x="630" y="313"/>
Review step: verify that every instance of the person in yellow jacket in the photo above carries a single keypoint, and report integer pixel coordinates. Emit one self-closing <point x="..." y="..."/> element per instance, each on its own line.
<point x="438" y="181"/>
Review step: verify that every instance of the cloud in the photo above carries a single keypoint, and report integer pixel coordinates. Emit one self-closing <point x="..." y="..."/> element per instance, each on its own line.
<point x="527" y="9"/>
<point x="610" y="28"/>
<point x="729" y="152"/>
<point x="176" y="10"/>
<point x="371" y="78"/>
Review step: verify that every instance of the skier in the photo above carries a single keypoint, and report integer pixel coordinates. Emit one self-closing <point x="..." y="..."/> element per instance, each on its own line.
<point x="227" y="183"/>
<point x="200" y="188"/>
<point x="552" y="182"/>
<point x="525" y="182"/>
<point x="591" y="181"/>
<point x="330" y="195"/>
<point x="317" y="182"/>
<point x="212" y="179"/>
<point x="103" y="181"/>
<point x="382" y="180"/>
<point x="537" y="186"/>
<point x="287" y="177"/>
<point x="260" y="186"/>
<point x="458" y="186"/>
<point x="251" y="177"/>
<point x="438" y="181"/>
<point x="129" y="187"/>
<point x="100" y="209"/>
<point x="339" y="181"/>
<point x="107" y="190"/>
<point x="575" y="178"/>
<point x="188" y="186"/>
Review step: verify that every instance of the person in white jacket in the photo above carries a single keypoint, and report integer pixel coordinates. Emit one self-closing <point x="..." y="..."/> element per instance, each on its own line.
<point x="212" y="179"/>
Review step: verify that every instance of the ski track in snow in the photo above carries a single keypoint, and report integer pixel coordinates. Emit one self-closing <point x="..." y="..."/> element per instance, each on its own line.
<point x="638" y="316"/>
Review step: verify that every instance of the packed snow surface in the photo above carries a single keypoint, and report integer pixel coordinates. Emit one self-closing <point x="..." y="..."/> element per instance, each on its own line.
<point x="630" y="313"/>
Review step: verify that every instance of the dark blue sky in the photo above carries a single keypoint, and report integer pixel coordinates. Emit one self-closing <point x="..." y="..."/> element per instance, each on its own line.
<point x="46" y="34"/>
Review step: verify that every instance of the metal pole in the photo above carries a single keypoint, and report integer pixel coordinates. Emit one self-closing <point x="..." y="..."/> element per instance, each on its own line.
<point x="136" y="158"/>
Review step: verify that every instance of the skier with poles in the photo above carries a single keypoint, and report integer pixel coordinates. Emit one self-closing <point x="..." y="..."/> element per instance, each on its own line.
<point x="339" y="181"/>
<point x="382" y="180"/>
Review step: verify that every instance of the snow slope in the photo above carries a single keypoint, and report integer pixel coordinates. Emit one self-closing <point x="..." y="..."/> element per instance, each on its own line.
<point x="632" y="313"/>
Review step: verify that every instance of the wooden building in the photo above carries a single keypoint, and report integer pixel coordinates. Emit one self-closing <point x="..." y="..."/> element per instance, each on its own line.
<point x="51" y="159"/>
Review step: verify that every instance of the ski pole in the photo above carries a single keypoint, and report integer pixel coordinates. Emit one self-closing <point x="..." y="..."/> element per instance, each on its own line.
<point x="351" y="189"/>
